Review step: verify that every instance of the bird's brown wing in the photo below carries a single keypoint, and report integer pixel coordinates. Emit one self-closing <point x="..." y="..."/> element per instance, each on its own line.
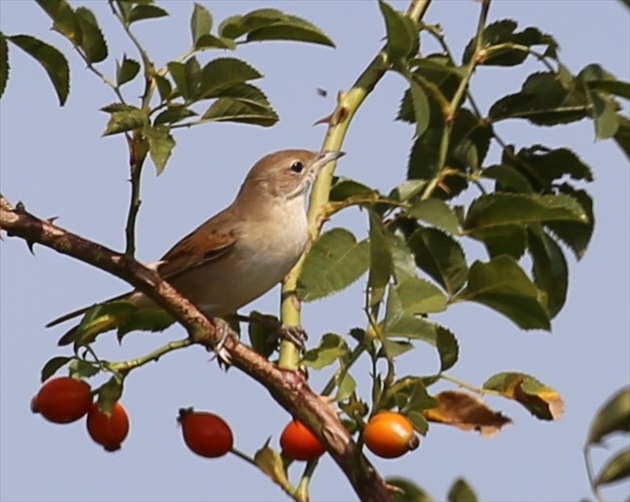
<point x="211" y="241"/>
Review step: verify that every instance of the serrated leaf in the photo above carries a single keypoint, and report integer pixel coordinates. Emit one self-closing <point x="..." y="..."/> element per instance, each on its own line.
<point x="53" y="61"/>
<point x="290" y="31"/>
<point x="187" y="77"/>
<point x="344" y="188"/>
<point x="418" y="296"/>
<point x="540" y="400"/>
<point x="409" y="326"/>
<point x="403" y="263"/>
<point x="222" y="73"/>
<point x="435" y="212"/>
<point x="508" y="179"/>
<point x="602" y="107"/>
<point x="118" y="107"/>
<point x="576" y="235"/>
<point x="503" y="286"/>
<point x="161" y="144"/>
<point x="448" y="348"/>
<point x="402" y="33"/>
<point x="616" y="469"/>
<point x="440" y="256"/>
<point x="380" y="259"/>
<point x="424" y="159"/>
<point x="200" y="23"/>
<point x="209" y="41"/>
<point x="52" y="365"/>
<point x="335" y="261"/>
<point x="82" y="369"/>
<point x="421" y="108"/>
<point x="270" y="462"/>
<point x="127" y="120"/>
<point x="172" y="114"/>
<point x="546" y="99"/>
<point x="346" y="385"/>
<point x="145" y="11"/>
<point x="394" y="348"/>
<point x="164" y="87"/>
<point x="461" y="491"/>
<point x="502" y="46"/>
<point x="126" y="71"/>
<point x="4" y="63"/>
<point x="521" y="209"/>
<point x="505" y="239"/>
<point x="99" y="319"/>
<point x="408" y="491"/>
<point x="92" y="39"/>
<point x="612" y="417"/>
<point x="236" y="110"/>
<point x="409" y="394"/>
<point x="466" y="412"/>
<point x="64" y="19"/>
<point x="549" y="269"/>
<point x="331" y="348"/>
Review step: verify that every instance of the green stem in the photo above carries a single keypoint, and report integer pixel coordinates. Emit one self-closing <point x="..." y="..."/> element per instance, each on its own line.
<point x="348" y="103"/>
<point x="590" y="474"/>
<point x="464" y="385"/>
<point x="126" y="366"/>
<point x="135" y="202"/>
<point x="244" y="456"/>
<point x="301" y="492"/>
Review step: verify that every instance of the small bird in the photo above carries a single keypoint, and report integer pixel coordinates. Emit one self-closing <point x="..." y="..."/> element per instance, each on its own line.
<point x="245" y="250"/>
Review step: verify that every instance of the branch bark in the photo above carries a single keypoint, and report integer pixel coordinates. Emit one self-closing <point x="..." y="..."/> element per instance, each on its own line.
<point x="289" y="388"/>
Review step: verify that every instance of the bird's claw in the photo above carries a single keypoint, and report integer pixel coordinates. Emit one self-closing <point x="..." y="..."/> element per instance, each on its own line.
<point x="295" y="334"/>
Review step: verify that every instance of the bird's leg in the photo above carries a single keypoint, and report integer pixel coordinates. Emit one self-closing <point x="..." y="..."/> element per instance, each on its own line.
<point x="278" y="331"/>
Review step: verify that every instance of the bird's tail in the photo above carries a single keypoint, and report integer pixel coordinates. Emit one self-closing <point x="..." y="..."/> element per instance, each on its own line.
<point x="81" y="311"/>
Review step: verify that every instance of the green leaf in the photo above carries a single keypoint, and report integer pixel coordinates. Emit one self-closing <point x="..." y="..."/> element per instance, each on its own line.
<point x="440" y="256"/>
<point x="576" y="235"/>
<point x="612" y="417"/>
<point x="424" y="161"/>
<point x="502" y="46"/>
<point x="237" y="110"/>
<point x="109" y="394"/>
<point x="272" y="24"/>
<point x="602" y="107"/>
<point x="417" y="296"/>
<point x="187" y="77"/>
<point x="616" y="87"/>
<point x="401" y="325"/>
<point x="503" y="286"/>
<point x="549" y="269"/>
<point x="546" y="99"/>
<point x="200" y="23"/>
<point x="391" y="349"/>
<point x="622" y="136"/>
<point x="65" y="21"/>
<point x="127" y="71"/>
<point x="409" y="491"/>
<point x="211" y="42"/>
<point x="125" y="121"/>
<point x="345" y="188"/>
<point x="51" y="60"/>
<point x="81" y="369"/>
<point x="331" y="348"/>
<point x="461" y="491"/>
<point x="504" y="239"/>
<point x="92" y="39"/>
<point x="290" y="31"/>
<point x="152" y="319"/>
<point x="335" y="261"/>
<point x="172" y="114"/>
<point x="448" y="348"/>
<point x="520" y="209"/>
<point x="437" y="213"/>
<point x="402" y="33"/>
<point x="508" y="179"/>
<point x="380" y="259"/>
<point x="142" y="11"/>
<point x="421" y="108"/>
<point x="346" y="385"/>
<point x="403" y="262"/>
<point x="222" y="73"/>
<point x="52" y="365"/>
<point x="161" y="144"/>
<point x="539" y="399"/>
<point x="270" y="462"/>
<point x="616" y="469"/>
<point x="164" y="87"/>
<point x="4" y="63"/>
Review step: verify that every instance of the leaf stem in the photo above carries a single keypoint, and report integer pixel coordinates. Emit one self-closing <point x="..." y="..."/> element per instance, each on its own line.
<point x="464" y="385"/>
<point x="126" y="366"/>
<point x="590" y="474"/>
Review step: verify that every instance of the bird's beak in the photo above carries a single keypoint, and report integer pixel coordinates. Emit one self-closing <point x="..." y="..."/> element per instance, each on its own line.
<point x="326" y="157"/>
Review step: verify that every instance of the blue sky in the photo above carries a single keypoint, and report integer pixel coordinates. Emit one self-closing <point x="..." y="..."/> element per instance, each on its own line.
<point x="54" y="160"/>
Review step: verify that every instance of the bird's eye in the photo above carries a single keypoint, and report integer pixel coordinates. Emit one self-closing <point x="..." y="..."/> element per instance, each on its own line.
<point x="297" y="167"/>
